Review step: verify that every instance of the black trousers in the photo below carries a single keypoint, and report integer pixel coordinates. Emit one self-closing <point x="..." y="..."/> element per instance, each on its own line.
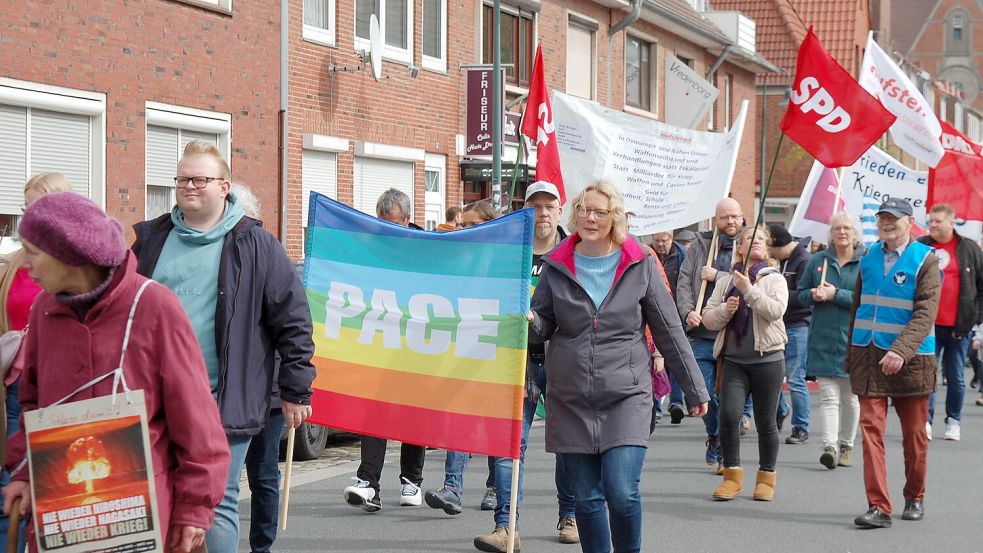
<point x="764" y="381"/>
<point x="374" y="456"/>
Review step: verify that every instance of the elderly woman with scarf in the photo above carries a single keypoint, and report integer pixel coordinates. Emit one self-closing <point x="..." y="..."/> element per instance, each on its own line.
<point x="749" y="304"/>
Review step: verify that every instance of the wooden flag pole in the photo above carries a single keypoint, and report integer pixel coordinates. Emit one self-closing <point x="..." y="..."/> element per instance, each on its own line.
<point x="513" y="504"/>
<point x="285" y="501"/>
<point x="711" y="257"/>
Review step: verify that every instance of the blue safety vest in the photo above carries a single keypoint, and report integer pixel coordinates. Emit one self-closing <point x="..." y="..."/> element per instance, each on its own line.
<point x="887" y="301"/>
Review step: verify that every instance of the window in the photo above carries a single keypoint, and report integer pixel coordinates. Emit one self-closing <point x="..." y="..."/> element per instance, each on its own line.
<point x="580" y="61"/>
<point x="435" y="35"/>
<point x="169" y="129"/>
<point x="372" y="177"/>
<point x="395" y="23"/>
<point x="641" y="70"/>
<point x="957" y="39"/>
<point x="224" y="5"/>
<point x="319" y="21"/>
<point x="46" y="128"/>
<point x="728" y="90"/>
<point x="433" y="196"/>
<point x="957" y="27"/>
<point x="319" y="173"/>
<point x="516" y="47"/>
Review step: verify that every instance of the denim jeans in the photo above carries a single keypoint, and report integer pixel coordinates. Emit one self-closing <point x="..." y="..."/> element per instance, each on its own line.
<point x="454" y="467"/>
<point x="795" y="374"/>
<point x="608" y="505"/>
<point x="503" y="465"/>
<point x="13" y="424"/>
<point x="951" y="354"/>
<point x="263" y="474"/>
<point x="223" y="536"/>
<point x="703" y="351"/>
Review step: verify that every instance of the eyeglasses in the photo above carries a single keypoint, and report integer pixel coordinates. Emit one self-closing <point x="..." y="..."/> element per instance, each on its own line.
<point x="730" y="217"/>
<point x="544" y="207"/>
<point x="599" y="214"/>
<point x="197" y="182"/>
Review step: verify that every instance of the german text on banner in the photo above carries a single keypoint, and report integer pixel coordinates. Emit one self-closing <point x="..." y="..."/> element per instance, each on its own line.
<point x="670" y="177"/>
<point x="689" y="96"/>
<point x="917" y="129"/>
<point x="829" y="114"/>
<point x="419" y="336"/>
<point x="957" y="179"/>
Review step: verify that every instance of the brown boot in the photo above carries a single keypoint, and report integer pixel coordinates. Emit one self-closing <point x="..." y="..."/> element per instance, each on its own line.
<point x="497" y="541"/>
<point x="568" y="530"/>
<point x="732" y="486"/>
<point x="846" y="456"/>
<point x="764" y="486"/>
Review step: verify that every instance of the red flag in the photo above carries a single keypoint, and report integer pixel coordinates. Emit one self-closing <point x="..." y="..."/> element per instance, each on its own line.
<point x="829" y="114"/>
<point x="537" y="124"/>
<point x="955" y="180"/>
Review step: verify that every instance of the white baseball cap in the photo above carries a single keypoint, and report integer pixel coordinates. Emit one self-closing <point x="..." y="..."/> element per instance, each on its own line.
<point x="542" y="186"/>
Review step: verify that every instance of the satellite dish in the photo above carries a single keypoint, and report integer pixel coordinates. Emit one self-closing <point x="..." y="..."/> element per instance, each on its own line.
<point x="375" y="47"/>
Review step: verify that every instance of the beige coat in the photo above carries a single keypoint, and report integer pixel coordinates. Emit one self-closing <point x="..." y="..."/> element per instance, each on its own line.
<point x="767" y="299"/>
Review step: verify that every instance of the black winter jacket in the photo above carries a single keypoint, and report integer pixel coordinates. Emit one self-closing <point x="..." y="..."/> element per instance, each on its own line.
<point x="798" y="313"/>
<point x="261" y="311"/>
<point x="970" y="260"/>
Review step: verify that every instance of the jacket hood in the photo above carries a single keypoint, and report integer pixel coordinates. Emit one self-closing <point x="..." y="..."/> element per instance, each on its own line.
<point x="631" y="252"/>
<point x="233" y="213"/>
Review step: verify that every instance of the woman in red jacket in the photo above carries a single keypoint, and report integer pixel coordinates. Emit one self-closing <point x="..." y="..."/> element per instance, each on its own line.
<point x="77" y="255"/>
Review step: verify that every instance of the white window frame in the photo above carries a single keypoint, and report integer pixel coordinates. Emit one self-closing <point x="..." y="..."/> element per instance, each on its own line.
<point x="389" y="52"/>
<point x="574" y="20"/>
<point x="437" y="64"/>
<point x="728" y="98"/>
<point x="187" y="119"/>
<point x="654" y="73"/>
<point x="436" y="163"/>
<point x="67" y="100"/>
<point x="316" y="34"/>
<point x="219" y="5"/>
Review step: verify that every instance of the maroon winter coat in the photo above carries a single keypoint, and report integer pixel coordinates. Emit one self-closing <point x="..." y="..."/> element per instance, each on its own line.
<point x="189" y="449"/>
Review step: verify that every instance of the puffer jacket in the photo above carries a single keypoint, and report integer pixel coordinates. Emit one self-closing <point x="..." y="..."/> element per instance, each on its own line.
<point x="768" y="299"/>
<point x="600" y="391"/>
<point x="828" y="336"/>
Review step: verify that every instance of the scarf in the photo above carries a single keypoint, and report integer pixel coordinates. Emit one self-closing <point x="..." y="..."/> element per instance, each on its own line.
<point x="739" y="322"/>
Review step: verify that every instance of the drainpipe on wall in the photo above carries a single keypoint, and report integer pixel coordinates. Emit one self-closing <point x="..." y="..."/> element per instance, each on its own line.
<point x="284" y="58"/>
<point x="633" y="15"/>
<point x="719" y="62"/>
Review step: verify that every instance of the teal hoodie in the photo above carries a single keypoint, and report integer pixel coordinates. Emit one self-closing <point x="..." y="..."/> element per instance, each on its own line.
<point x="188" y="265"/>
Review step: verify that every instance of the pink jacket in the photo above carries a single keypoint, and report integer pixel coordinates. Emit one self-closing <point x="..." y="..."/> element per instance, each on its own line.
<point x="189" y="449"/>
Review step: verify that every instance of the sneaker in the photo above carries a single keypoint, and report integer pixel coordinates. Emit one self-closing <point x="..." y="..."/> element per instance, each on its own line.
<point x="745" y="424"/>
<point x="362" y="495"/>
<point x="490" y="500"/>
<point x="828" y="458"/>
<point x="497" y="541"/>
<point x="676" y="413"/>
<point x="952" y="431"/>
<point x="979" y="400"/>
<point x="410" y="495"/>
<point x="798" y="436"/>
<point x="713" y="451"/>
<point x="445" y="499"/>
<point x="928" y="430"/>
<point x="846" y="456"/>
<point x="568" y="530"/>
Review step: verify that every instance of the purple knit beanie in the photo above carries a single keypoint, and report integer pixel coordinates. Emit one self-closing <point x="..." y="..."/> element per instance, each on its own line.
<point x="74" y="230"/>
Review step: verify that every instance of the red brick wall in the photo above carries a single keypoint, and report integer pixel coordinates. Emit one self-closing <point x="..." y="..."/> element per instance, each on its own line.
<point x="163" y="51"/>
<point x="929" y="53"/>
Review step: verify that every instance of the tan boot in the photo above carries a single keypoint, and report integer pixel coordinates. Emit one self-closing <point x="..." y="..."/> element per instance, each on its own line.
<point x="497" y="541"/>
<point x="764" y="486"/>
<point x="846" y="456"/>
<point x="568" y="530"/>
<point x="732" y="486"/>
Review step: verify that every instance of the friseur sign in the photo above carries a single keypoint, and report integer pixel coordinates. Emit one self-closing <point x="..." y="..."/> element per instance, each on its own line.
<point x="478" y="137"/>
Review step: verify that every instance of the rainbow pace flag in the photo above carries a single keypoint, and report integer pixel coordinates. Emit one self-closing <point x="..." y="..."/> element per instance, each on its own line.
<point x="419" y="336"/>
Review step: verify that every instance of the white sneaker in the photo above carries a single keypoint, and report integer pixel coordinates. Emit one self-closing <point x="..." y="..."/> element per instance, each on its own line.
<point x="410" y="495"/>
<point x="928" y="430"/>
<point x="952" y="431"/>
<point x="359" y="494"/>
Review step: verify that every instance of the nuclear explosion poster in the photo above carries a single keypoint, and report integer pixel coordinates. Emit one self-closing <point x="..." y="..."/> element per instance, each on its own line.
<point x="92" y="486"/>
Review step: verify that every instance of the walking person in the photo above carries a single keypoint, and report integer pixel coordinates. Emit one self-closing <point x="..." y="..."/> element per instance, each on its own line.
<point x="598" y="290"/>
<point x="832" y="301"/>
<point x="746" y="309"/>
<point x="892" y="357"/>
<point x="960" y="309"/>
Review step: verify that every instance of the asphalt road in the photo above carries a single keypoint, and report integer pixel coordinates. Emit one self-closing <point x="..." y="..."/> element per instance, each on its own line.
<point x="813" y="509"/>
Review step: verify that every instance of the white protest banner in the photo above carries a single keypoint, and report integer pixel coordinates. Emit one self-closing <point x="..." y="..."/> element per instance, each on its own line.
<point x="669" y="177"/>
<point x="688" y="95"/>
<point x="92" y="483"/>
<point x="917" y="129"/>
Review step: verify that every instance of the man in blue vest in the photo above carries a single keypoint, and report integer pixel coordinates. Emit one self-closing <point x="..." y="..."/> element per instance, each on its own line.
<point x="892" y="355"/>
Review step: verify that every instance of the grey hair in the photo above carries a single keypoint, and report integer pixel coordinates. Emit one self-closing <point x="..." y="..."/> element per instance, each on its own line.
<point x="248" y="200"/>
<point x="391" y="199"/>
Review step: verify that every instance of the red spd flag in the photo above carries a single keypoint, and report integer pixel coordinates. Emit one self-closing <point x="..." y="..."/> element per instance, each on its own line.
<point x="537" y="124"/>
<point x="829" y="114"/>
<point x="956" y="179"/>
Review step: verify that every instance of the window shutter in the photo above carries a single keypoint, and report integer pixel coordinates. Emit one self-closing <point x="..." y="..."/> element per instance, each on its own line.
<point x="188" y="136"/>
<point x="60" y="142"/>
<point x="319" y="173"/>
<point x="162" y="155"/>
<point x="13" y="158"/>
<point x="375" y="176"/>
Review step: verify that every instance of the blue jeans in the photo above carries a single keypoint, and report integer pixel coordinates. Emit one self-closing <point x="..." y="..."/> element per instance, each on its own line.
<point x="609" y="508"/>
<point x="503" y="465"/>
<point x="795" y="373"/>
<point x="13" y="424"/>
<point x="223" y="536"/>
<point x="703" y="351"/>
<point x="951" y="354"/>
<point x="263" y="474"/>
<point x="454" y="467"/>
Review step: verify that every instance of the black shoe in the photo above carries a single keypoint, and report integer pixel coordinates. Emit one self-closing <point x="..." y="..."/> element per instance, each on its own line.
<point x="913" y="509"/>
<point x="873" y="518"/>
<point x="676" y="413"/>
<point x="798" y="436"/>
<point x="974" y="383"/>
<point x="780" y="421"/>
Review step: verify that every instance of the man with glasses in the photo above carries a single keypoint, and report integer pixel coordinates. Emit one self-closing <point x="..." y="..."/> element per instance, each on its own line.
<point x="246" y="304"/>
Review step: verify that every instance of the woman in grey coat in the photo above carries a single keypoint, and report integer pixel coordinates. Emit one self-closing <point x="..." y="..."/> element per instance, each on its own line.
<point x="598" y="291"/>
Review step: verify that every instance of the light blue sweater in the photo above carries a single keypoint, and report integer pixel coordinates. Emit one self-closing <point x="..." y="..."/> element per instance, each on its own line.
<point x="596" y="274"/>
